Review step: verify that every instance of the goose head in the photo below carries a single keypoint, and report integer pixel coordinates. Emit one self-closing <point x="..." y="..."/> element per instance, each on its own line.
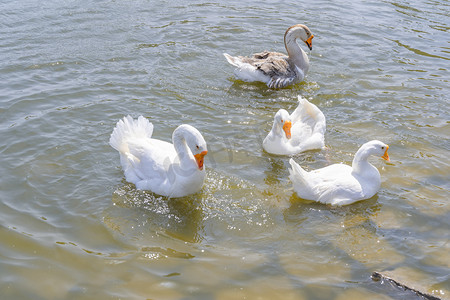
<point x="194" y="141"/>
<point x="282" y="121"/>
<point x="377" y="148"/>
<point x="301" y="32"/>
<point x="360" y="164"/>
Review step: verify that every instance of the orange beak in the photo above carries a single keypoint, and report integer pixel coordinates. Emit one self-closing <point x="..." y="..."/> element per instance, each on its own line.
<point x="309" y="42"/>
<point x="199" y="159"/>
<point x="287" y="128"/>
<point x="386" y="155"/>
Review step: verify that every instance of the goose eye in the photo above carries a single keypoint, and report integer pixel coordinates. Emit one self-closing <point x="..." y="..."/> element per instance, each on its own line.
<point x="382" y="148"/>
<point x="197" y="147"/>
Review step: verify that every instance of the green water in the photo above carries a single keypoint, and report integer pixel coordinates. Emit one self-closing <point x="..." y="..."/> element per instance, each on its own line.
<point x="71" y="227"/>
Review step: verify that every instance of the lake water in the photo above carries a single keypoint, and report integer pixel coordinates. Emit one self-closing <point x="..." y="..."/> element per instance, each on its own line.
<point x="71" y="227"/>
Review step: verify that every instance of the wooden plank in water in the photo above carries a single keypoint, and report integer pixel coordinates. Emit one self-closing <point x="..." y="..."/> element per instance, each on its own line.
<point x="397" y="280"/>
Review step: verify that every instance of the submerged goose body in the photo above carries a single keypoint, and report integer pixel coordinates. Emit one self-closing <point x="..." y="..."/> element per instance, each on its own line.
<point x="340" y="184"/>
<point x="300" y="131"/>
<point x="277" y="70"/>
<point x="172" y="170"/>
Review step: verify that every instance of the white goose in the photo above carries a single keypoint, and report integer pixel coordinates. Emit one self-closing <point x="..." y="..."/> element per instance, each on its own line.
<point x="303" y="130"/>
<point x="275" y="69"/>
<point x="341" y="184"/>
<point x="172" y="170"/>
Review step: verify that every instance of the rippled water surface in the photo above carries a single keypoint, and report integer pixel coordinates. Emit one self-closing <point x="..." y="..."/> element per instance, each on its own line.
<point x="71" y="227"/>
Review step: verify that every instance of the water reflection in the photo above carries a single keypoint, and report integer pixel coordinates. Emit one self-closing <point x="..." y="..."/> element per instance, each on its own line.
<point x="366" y="207"/>
<point x="275" y="171"/>
<point x="179" y="218"/>
<point x="188" y="213"/>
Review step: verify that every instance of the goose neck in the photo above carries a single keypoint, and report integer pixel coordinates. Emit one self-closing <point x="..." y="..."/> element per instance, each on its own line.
<point x="180" y="145"/>
<point x="276" y="129"/>
<point x="360" y="162"/>
<point x="295" y="52"/>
